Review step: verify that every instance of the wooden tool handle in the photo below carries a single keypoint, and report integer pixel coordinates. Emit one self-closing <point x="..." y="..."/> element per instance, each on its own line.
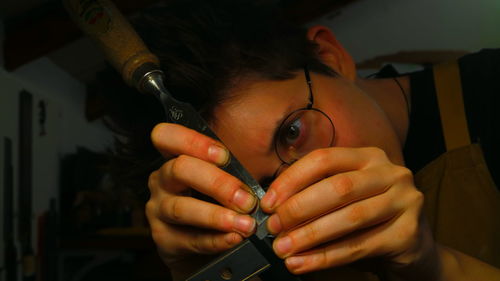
<point x="103" y="22"/>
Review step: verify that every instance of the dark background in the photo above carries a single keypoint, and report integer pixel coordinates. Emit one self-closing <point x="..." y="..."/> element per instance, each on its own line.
<point x="78" y="225"/>
<point x="84" y="228"/>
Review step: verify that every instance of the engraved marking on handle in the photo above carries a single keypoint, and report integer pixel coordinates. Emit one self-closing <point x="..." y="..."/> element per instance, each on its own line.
<point x="176" y="113"/>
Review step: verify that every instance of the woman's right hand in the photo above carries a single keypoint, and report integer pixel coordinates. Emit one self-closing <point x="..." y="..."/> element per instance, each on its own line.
<point x="181" y="224"/>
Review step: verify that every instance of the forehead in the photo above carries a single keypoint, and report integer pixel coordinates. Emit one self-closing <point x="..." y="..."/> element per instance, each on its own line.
<point x="259" y="100"/>
<point x="246" y="123"/>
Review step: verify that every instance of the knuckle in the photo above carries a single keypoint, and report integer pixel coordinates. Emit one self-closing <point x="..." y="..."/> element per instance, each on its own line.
<point x="357" y="215"/>
<point x="157" y="234"/>
<point x="356" y="247"/>
<point x="213" y="217"/>
<point x="194" y="142"/>
<point x="214" y="242"/>
<point x="311" y="233"/>
<point x="204" y="243"/>
<point x="342" y="185"/>
<point x="291" y="212"/>
<point x="375" y="153"/>
<point x="225" y="185"/>
<point x="219" y="218"/>
<point x="178" y="165"/>
<point x="322" y="156"/>
<point x="150" y="209"/>
<point x="173" y="209"/>
<point x="153" y="180"/>
<point x="322" y="260"/>
<point x="196" y="244"/>
<point x="419" y="195"/>
<point x="157" y="133"/>
<point x="281" y="187"/>
<point x="403" y="174"/>
<point x="418" y="198"/>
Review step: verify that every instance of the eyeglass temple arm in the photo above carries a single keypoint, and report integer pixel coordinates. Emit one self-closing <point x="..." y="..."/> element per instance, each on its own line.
<point x="309" y="84"/>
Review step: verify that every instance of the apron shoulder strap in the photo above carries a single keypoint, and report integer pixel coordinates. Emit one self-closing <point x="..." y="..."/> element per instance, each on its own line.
<point x="451" y="105"/>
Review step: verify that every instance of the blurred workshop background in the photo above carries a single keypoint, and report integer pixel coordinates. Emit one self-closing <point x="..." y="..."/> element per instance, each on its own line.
<point x="61" y="217"/>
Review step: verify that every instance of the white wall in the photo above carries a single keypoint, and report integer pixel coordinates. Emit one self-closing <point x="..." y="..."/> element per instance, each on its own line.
<point x="47" y="79"/>
<point x="44" y="77"/>
<point x="2" y="36"/>
<point x="65" y="126"/>
<point x="369" y="28"/>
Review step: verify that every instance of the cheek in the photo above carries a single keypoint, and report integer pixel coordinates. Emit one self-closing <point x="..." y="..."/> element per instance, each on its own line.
<point x="360" y="132"/>
<point x="359" y="122"/>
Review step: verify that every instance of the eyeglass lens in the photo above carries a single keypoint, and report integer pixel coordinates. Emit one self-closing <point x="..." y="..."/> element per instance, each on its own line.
<point x="303" y="131"/>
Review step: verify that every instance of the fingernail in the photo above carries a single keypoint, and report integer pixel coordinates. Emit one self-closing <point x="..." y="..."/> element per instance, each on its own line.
<point x="274" y="224"/>
<point x="244" y="224"/>
<point x="218" y="154"/>
<point x="283" y="246"/>
<point x="268" y="200"/>
<point x="294" y="262"/>
<point x="244" y="200"/>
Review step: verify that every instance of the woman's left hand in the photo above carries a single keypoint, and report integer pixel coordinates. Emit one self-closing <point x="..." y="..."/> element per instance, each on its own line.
<point x="339" y="205"/>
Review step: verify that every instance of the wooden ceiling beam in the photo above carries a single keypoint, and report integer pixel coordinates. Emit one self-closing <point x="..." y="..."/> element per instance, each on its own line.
<point x="31" y="38"/>
<point x="34" y="37"/>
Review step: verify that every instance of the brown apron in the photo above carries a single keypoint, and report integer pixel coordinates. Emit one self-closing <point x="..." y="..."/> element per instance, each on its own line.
<point x="462" y="203"/>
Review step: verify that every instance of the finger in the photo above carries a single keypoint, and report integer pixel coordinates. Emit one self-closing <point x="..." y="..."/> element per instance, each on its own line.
<point x="173" y="139"/>
<point x="210" y="243"/>
<point x="355" y="247"/>
<point x="193" y="212"/>
<point x="159" y="185"/>
<point x="209" y="180"/>
<point x="154" y="183"/>
<point x="181" y="240"/>
<point x="354" y="217"/>
<point x="391" y="238"/>
<point x="313" y="167"/>
<point x="335" y="192"/>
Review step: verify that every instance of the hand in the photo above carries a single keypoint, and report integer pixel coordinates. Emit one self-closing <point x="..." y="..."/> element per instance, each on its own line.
<point x="183" y="225"/>
<point x="338" y="205"/>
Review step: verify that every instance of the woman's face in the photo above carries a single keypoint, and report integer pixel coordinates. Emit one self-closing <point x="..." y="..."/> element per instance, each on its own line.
<point x="248" y="122"/>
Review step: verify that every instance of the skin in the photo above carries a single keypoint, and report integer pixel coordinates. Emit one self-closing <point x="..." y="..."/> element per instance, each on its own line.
<point x="332" y="207"/>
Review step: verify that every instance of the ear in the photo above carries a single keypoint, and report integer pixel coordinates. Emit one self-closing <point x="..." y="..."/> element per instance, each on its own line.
<point x="331" y="52"/>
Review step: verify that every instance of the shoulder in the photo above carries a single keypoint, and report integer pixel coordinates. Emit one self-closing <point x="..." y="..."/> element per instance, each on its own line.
<point x="485" y="57"/>
<point x="481" y="66"/>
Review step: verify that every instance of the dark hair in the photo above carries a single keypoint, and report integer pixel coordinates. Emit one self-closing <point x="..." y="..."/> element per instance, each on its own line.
<point x="206" y="48"/>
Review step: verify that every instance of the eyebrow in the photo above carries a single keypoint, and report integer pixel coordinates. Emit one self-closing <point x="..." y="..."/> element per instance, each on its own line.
<point x="291" y="107"/>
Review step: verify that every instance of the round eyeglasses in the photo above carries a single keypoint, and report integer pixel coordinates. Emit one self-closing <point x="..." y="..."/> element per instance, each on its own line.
<point x="303" y="131"/>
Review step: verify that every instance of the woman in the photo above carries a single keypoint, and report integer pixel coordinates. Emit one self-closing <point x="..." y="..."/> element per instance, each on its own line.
<point x="332" y="147"/>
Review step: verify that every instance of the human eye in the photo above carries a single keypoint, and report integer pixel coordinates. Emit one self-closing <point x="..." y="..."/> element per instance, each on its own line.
<point x="302" y="132"/>
<point x="293" y="134"/>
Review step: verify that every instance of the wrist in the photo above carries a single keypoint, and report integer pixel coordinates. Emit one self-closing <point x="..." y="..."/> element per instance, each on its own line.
<point x="427" y="266"/>
<point x="459" y="266"/>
